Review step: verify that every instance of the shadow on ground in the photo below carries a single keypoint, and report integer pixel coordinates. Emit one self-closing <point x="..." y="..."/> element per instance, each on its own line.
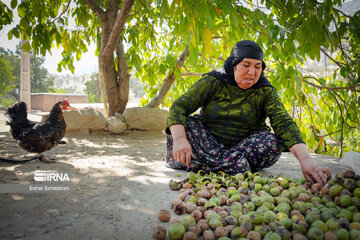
<point x="118" y="185"/>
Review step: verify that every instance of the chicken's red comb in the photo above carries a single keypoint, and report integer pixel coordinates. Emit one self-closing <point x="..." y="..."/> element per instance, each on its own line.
<point x="67" y="101"/>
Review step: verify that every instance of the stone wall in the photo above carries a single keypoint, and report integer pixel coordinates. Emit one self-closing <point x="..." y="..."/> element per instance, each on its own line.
<point x="138" y="118"/>
<point x="45" y="101"/>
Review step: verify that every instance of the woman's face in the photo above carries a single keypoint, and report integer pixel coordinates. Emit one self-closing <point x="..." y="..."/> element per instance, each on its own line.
<point x="247" y="72"/>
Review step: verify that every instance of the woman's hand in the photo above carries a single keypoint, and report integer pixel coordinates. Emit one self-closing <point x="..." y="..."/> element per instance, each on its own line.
<point x="181" y="147"/>
<point x="182" y="151"/>
<point x="311" y="171"/>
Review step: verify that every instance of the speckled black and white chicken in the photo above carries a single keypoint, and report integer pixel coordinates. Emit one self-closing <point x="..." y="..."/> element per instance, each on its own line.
<point x="37" y="137"/>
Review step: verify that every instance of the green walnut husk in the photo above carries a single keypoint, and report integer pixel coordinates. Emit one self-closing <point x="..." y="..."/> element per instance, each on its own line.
<point x="215" y="222"/>
<point x="321" y="225"/>
<point x="187" y="220"/>
<point x="176" y="231"/>
<point x="354" y="234"/>
<point x="239" y="232"/>
<point x="251" y="206"/>
<point x="272" y="236"/>
<point x="342" y="234"/>
<point x="315" y="233"/>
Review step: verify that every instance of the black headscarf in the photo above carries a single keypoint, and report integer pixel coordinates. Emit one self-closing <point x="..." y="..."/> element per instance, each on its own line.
<point x="241" y="50"/>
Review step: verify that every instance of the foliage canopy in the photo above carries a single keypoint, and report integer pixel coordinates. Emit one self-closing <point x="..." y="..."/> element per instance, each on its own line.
<point x="39" y="76"/>
<point x="295" y="36"/>
<point x="6" y="77"/>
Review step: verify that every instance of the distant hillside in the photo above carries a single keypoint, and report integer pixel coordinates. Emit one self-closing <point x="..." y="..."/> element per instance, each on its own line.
<point x="71" y="83"/>
<point x="76" y="84"/>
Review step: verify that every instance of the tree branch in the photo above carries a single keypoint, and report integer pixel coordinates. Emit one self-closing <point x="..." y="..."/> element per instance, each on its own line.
<point x="341" y="138"/>
<point x="191" y="74"/>
<point x="168" y="81"/>
<point x="343" y="13"/>
<point x="345" y="57"/>
<point x="279" y="5"/>
<point x="241" y="14"/>
<point x="352" y="88"/>
<point x="96" y="8"/>
<point x="101" y="82"/>
<point x="205" y="59"/>
<point x="346" y="109"/>
<point x="340" y="64"/>
<point x="300" y="5"/>
<point x="118" y="27"/>
<point x="334" y="94"/>
<point x="63" y="12"/>
<point x="253" y="5"/>
<point x="123" y="74"/>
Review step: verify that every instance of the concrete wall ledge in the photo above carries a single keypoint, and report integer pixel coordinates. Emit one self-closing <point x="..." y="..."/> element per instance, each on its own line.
<point x="45" y="101"/>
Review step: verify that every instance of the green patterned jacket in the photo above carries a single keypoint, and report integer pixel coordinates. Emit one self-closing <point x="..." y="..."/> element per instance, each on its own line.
<point x="232" y="114"/>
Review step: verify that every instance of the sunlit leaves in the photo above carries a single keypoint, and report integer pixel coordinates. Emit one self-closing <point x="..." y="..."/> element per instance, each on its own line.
<point x="22" y="9"/>
<point x="355" y="26"/>
<point x="290" y="32"/>
<point x="193" y="36"/>
<point x="208" y="38"/>
<point x="6" y="77"/>
<point x="194" y="55"/>
<point x="26" y="46"/>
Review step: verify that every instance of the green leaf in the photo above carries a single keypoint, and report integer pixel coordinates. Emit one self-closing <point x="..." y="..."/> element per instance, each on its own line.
<point x="16" y="32"/>
<point x="162" y="68"/>
<point x="24" y="24"/>
<point x="58" y="38"/>
<point x="322" y="80"/>
<point x="10" y="34"/>
<point x="26" y="47"/>
<point x="78" y="55"/>
<point x="298" y="80"/>
<point x="210" y="18"/>
<point x="13" y="4"/>
<point x="116" y="64"/>
<point x="208" y="38"/>
<point x="171" y="61"/>
<point x="171" y="44"/>
<point x="226" y="6"/>
<point x="300" y="59"/>
<point x="343" y="72"/>
<point x="137" y="62"/>
<point x="164" y="8"/>
<point x="194" y="54"/>
<point x="21" y="11"/>
<point x="54" y="12"/>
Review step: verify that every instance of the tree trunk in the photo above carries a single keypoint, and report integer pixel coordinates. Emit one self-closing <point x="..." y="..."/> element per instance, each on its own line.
<point x="107" y="58"/>
<point x="113" y="23"/>
<point x="102" y="90"/>
<point x="111" y="83"/>
<point x="168" y="81"/>
<point x="124" y="76"/>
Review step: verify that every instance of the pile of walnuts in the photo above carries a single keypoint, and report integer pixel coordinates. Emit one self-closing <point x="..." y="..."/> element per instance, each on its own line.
<point x="249" y="206"/>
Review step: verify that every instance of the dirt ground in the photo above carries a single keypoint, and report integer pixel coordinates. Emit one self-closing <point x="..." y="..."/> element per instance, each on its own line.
<point x="118" y="185"/>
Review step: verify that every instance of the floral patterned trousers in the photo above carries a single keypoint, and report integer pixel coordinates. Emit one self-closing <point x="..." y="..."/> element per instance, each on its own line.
<point x="260" y="150"/>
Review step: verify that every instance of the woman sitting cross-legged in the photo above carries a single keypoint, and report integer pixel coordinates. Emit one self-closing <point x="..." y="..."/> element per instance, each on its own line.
<point x="230" y="134"/>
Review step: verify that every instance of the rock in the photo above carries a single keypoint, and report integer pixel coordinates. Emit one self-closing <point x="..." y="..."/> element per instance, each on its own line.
<point x="120" y="116"/>
<point x="116" y="125"/>
<point x="149" y="119"/>
<point x="83" y="119"/>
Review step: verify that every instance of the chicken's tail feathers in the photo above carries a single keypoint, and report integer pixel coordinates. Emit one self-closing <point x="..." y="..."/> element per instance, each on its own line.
<point x="17" y="113"/>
